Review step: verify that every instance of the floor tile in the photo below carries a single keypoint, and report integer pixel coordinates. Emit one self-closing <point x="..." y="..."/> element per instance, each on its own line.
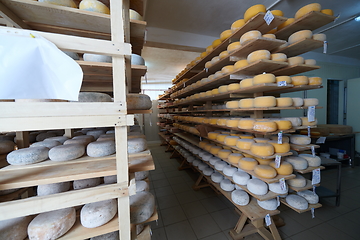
<point x="205" y="193"/>
<point x="175" y="173"/>
<point x="225" y="219"/>
<point x="306" y="235"/>
<point x="167" y="201"/>
<point x="204" y="226"/>
<point x="217" y="236"/>
<point x="291" y="227"/>
<point x="172" y="215"/>
<point x="186" y="197"/>
<point x="157" y="224"/>
<point x="194" y="209"/>
<point x="157" y="176"/>
<point x="347" y="226"/>
<point x="158" y="234"/>
<point x="164" y="191"/>
<point x="328" y="232"/>
<point x="180" y="231"/>
<point x="160" y="183"/>
<point x="175" y="180"/>
<point x="213" y="204"/>
<point x="180" y="187"/>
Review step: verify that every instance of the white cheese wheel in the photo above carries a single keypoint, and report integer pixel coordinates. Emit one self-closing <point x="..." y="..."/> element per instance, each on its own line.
<point x="244" y="144"/>
<point x="297" y="202"/>
<point x="310" y="62"/>
<point x="270" y="204"/>
<point x="241" y="178"/>
<point x="313" y="161"/>
<point x="52" y="188"/>
<point x="296" y="60"/>
<point x="298" y="163"/>
<point x="101" y="148"/>
<point x="83" y="141"/>
<point x="136" y="145"/>
<point x="315" y="81"/>
<point x="227" y="185"/>
<point x="262" y="149"/>
<point x="305" y="122"/>
<point x="52" y="225"/>
<point x="269" y="35"/>
<point x="141" y="175"/>
<point x="298" y="102"/>
<point x="265" y="101"/>
<point x="137" y="59"/>
<point x="310" y="196"/>
<point x="278" y="57"/>
<point x="229" y="170"/>
<point x="258" y="187"/>
<point x="249" y="36"/>
<point x="208" y="171"/>
<point x="95" y="133"/>
<point x="245" y="83"/>
<point x="247" y="163"/>
<point x="240" y="197"/>
<point x="66" y="152"/>
<point x="90" y="57"/>
<point x="298" y="181"/>
<point x="94" y="97"/>
<point x="232" y="104"/>
<point x="96" y="214"/>
<point x="202" y="166"/>
<point x="49" y="144"/>
<point x="300" y="139"/>
<point x="110" y="179"/>
<point x="15" y="228"/>
<point x="319" y="37"/>
<point x="295" y="121"/>
<point x="258" y="55"/>
<point x="60" y="139"/>
<point x="246" y="103"/>
<point x="108" y="236"/>
<point x="264" y="78"/>
<point x="86" y="183"/>
<point x="265" y="171"/>
<point x="265" y="126"/>
<point x="196" y="162"/>
<point x="94" y="6"/>
<point x="300" y="35"/>
<point x="276" y="188"/>
<point x="220" y="165"/>
<point x="246" y="123"/>
<point x="138" y="102"/>
<point x="214" y="160"/>
<point x="6" y="146"/>
<point x="43" y="136"/>
<point x="311" y="102"/>
<point x="217" y="177"/>
<point x="25" y="156"/>
<point x="73" y="55"/>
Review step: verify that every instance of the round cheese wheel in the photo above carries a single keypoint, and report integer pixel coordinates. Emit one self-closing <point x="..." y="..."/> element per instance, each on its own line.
<point x="258" y="55"/>
<point x="298" y="102"/>
<point x="232" y="122"/>
<point x="95" y="133"/>
<point x="218" y="74"/>
<point x="278" y="57"/>
<point x="296" y="60"/>
<point x="6" y="146"/>
<point x="202" y="166"/>
<point x="262" y="149"/>
<point x="224" y="153"/>
<point x="276" y="188"/>
<point x="265" y="101"/>
<point x="15" y="228"/>
<point x="258" y="187"/>
<point x="226" y="185"/>
<point x="299" y="35"/>
<point x="241" y="178"/>
<point x="103" y="148"/>
<point x="136" y="145"/>
<point x="285" y="139"/>
<point x="265" y="126"/>
<point x="223" y="89"/>
<point x="298" y="163"/>
<point x="286" y="79"/>
<point x="246" y="103"/>
<point x="297" y="202"/>
<point x="215" y="149"/>
<point x="283" y="124"/>
<point x="208" y="171"/>
<point x="261" y="140"/>
<point x="310" y="62"/>
<point x="214" y="160"/>
<point x="232" y="104"/>
<point x="249" y="36"/>
<point x="232" y="47"/>
<point x="135" y="15"/>
<point x="265" y="171"/>
<point x="111" y="236"/>
<point x="89" y="57"/>
<point x="235" y="157"/>
<point x="227" y="69"/>
<point x="285" y="168"/>
<point x="269" y="35"/>
<point x="66" y="152"/>
<point x="141" y="175"/>
<point x="244" y="144"/>
<point x="204" y="54"/>
<point x="311" y="102"/>
<point x="240" y="64"/>
<point x="264" y="78"/>
<point x="52" y="225"/>
<point x="223" y="54"/>
<point x="247" y="163"/>
<point x="221" y="121"/>
<point x="240" y="197"/>
<point x="280" y="148"/>
<point x="225" y="34"/>
<point x="208" y="64"/>
<point x="231" y="140"/>
<point x="319" y="37"/>
<point x="142" y="207"/>
<point x="215" y="43"/>
<point x="245" y="83"/>
<point x="212" y="135"/>
<point x="246" y="136"/>
<point x="217" y="177"/>
<point x="299" y="80"/>
<point x="86" y="183"/>
<point x="310" y="196"/>
<point x="286" y="23"/>
<point x="25" y="156"/>
<point x="221" y="137"/>
<point x="246" y="123"/>
<point x="220" y="165"/>
<point x="138" y="102"/>
<point x="237" y="25"/>
<point x="270" y="204"/>
<point x="306" y="9"/>
<point x="327" y="11"/>
<point x="253" y="11"/>
<point x="298" y="181"/>
<point x="209" y="49"/>
<point x="263" y="161"/>
<point x="94" y="97"/>
<point x="284" y="102"/>
<point x="233" y="86"/>
<point x="52" y="188"/>
<point x="137" y="59"/>
<point x="60" y="139"/>
<point x="300" y="139"/>
<point x="66" y="3"/>
<point x="315" y="80"/>
<point x="305" y="122"/>
<point x="277" y="13"/>
<point x="313" y="161"/>
<point x="229" y="170"/>
<point x="196" y="162"/>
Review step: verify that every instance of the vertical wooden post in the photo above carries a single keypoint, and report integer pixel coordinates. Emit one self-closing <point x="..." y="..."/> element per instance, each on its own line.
<point x="69" y="133"/>
<point x="22" y="139"/>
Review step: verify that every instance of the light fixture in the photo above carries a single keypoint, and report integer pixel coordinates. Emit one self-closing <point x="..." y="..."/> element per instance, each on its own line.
<point x="357" y="19"/>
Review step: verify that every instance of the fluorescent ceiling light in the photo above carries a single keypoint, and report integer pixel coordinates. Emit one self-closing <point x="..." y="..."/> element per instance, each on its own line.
<point x="357" y="19"/>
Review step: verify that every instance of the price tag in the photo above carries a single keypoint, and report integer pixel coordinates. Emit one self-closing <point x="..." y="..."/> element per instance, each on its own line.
<point x="313" y="151"/>
<point x="268" y="17"/>
<point x="309" y="131"/>
<point x="312" y="212"/>
<point x="282" y="83"/>
<point x="283" y="186"/>
<point x="311" y="114"/>
<point x="278" y="200"/>
<point x="321" y="140"/>
<point x="325" y="47"/>
<point x="206" y="70"/>
<point x="268" y="220"/>
<point x="280" y="137"/>
<point x="277" y="161"/>
<point x="315" y="176"/>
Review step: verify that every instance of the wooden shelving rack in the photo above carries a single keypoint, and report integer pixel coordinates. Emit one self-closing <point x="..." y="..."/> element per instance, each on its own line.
<point x="82" y="32"/>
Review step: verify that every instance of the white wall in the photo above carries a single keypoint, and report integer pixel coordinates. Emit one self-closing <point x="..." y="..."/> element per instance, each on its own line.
<point x="353" y="113"/>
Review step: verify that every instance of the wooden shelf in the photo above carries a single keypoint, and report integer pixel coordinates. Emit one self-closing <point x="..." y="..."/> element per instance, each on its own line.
<point x="134" y="111"/>
<point x="310" y="21"/>
<point x="309" y="169"/>
<point x="294" y="69"/>
<point x="300" y="47"/>
<point x="318" y="205"/>
<point x="300" y="148"/>
<point x="13" y="196"/>
<point x="296" y="89"/>
<point x="308" y="186"/>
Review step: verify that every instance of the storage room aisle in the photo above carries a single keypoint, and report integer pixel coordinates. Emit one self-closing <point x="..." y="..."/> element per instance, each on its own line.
<point x="188" y="214"/>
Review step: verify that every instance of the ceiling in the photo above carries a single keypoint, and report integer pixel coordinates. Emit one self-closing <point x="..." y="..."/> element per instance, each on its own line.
<point x="211" y="17"/>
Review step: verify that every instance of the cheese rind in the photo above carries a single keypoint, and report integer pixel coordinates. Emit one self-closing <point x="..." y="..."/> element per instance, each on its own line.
<point x="296" y="60"/>
<point x="270" y="204"/>
<point x="225" y="34"/>
<point x="232" y="104"/>
<point x="298" y="163"/>
<point x="311" y="102"/>
<point x="258" y="55"/>
<point x="286" y="23"/>
<point x="315" y="80"/>
<point x="310" y="196"/>
<point x="265" y="171"/>
<point x="264" y="102"/>
<point x="14" y="228"/>
<point x="246" y="123"/>
<point x="299" y="80"/>
<point x="306" y="9"/>
<point x="265" y="126"/>
<point x="244" y="144"/>
<point x="240" y="64"/>
<point x="284" y="102"/>
<point x="300" y="139"/>
<point x="298" y="181"/>
<point x="25" y="156"/>
<point x="297" y="202"/>
<point x="262" y="149"/>
<point x="313" y="161"/>
<point x="138" y="102"/>
<point x="52" y="188"/>
<point x="284" y="169"/>
<point x="136" y="145"/>
<point x="280" y="148"/>
<point x="264" y="78"/>
<point x="279" y="57"/>
<point x="276" y="188"/>
<point x="258" y="187"/>
<point x="245" y="83"/>
<point x="240" y="197"/>
<point x="298" y="102"/>
<point x="142" y="207"/>
<point x="300" y="35"/>
<point x="247" y="163"/>
<point x="319" y="37"/>
<point x="66" y="152"/>
<point x="226" y="185"/>
<point x="102" y="148"/>
<point x="253" y="10"/>
<point x="237" y="25"/>
<point x="217" y="177"/>
<point x="241" y="178"/>
<point x="249" y="36"/>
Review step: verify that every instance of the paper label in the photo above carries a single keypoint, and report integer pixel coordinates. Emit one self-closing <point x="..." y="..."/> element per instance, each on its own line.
<point x="280" y="137"/>
<point x="283" y="186"/>
<point x="269" y="17"/>
<point x="321" y="140"/>
<point x="325" y="47"/>
<point x="311" y="114"/>
<point x="312" y="212"/>
<point x="314" y="190"/>
<point x="277" y="161"/>
<point x="184" y="85"/>
<point x="313" y="151"/>
<point x="282" y="83"/>
<point x="200" y="139"/>
<point x="309" y="131"/>
<point x="315" y="176"/>
<point x="206" y="70"/>
<point x="278" y="200"/>
<point x="268" y="220"/>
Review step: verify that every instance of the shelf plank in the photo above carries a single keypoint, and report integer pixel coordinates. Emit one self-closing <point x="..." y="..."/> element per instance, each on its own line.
<point x="309" y="169"/>
<point x="134" y="111"/>
<point x="300" y="148"/>
<point x="296" y="89"/>
<point x="256" y="44"/>
<point x="318" y="205"/>
<point x="308" y="186"/>
<point x="13" y="196"/>
<point x="294" y="69"/>
<point x="300" y="47"/>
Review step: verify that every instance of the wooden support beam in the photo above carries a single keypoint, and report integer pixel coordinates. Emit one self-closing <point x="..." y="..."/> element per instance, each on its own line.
<point x="22" y="139"/>
<point x="11" y="17"/>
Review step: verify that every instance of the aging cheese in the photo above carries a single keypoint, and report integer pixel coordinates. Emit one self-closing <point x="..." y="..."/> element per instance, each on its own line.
<point x="276" y="188"/>
<point x="241" y="178"/>
<point x="232" y="104"/>
<point x="142" y="206"/>
<point x="264" y="78"/>
<point x="240" y="64"/>
<point x="246" y="123"/>
<point x="279" y="57"/>
<point x="265" y="126"/>
<point x="136" y="145"/>
<point x="25" y="156"/>
<point x="52" y="188"/>
<point x="284" y="102"/>
<point x="265" y="101"/>
<point x="223" y="55"/>
<point x="66" y="3"/>
<point x="237" y="25"/>
<point x="103" y="148"/>
<point x="253" y="10"/>
<point x="249" y="36"/>
<point x="286" y="79"/>
<point x="220" y="165"/>
<point x="310" y="62"/>
<point x="240" y="197"/>
<point x="315" y="81"/>
<point x="14" y="228"/>
<point x="209" y="49"/>
<point x="225" y="34"/>
<point x="66" y="152"/>
<point x="95" y="133"/>
<point x="283" y="124"/>
<point x="135" y="15"/>
<point x="221" y="137"/>
<point x="300" y="35"/>
<point x="208" y="171"/>
<point x="86" y="183"/>
<point x="232" y="122"/>
<point x="49" y="144"/>
<point x="299" y="80"/>
<point x="270" y="204"/>
<point x="244" y="144"/>
<point x="284" y="169"/>
<point x="258" y="55"/>
<point x="300" y="139"/>
<point x="223" y="89"/>
<point x="311" y="102"/>
<point x="246" y="103"/>
<point x="217" y="177"/>
<point x="297" y="202"/>
<point x="296" y="60"/>
<point x="261" y="140"/>
<point x="227" y="69"/>
<point x="212" y="135"/>
<point x="298" y="163"/>
<point x="262" y="149"/>
<point x="247" y="163"/>
<point x="89" y="57"/>
<point x="235" y="157"/>
<point x="319" y="37"/>
<point x="286" y="23"/>
<point x="94" y="97"/>
<point x="305" y="122"/>
<point x="265" y="171"/>
<point x="310" y="196"/>
<point x="231" y="140"/>
<point x="277" y="13"/>
<point x="138" y="102"/>
<point x="328" y="12"/>
<point x="269" y="35"/>
<point x="224" y="153"/>
<point x="306" y="9"/>
<point x="258" y="187"/>
<point x="233" y="86"/>
<point x="298" y="102"/>
<point x="298" y="181"/>
<point x="229" y="170"/>
<point x="109" y="236"/>
<point x="215" y="43"/>
<point x="226" y="185"/>
<point x="280" y="148"/>
<point x="313" y="161"/>
<point x="214" y="160"/>
<point x="245" y="83"/>
<point x="214" y="150"/>
<point x="232" y="47"/>
<point x="6" y="146"/>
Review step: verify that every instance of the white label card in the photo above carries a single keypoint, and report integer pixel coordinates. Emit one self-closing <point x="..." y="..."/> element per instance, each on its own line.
<point x="282" y="184"/>
<point x="325" y="47"/>
<point x="206" y="69"/>
<point x="315" y="176"/>
<point x="280" y="137"/>
<point x="314" y="190"/>
<point x="268" y="220"/>
<point x="309" y="131"/>
<point x="282" y="83"/>
<point x="278" y="200"/>
<point x="311" y="114"/>
<point x="269" y="17"/>
<point x="312" y="212"/>
<point x="277" y="161"/>
<point x="313" y="151"/>
<point x="321" y="140"/>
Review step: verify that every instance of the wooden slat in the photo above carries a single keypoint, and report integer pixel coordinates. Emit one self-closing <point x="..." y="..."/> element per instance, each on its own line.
<point x="300" y="47"/>
<point x="257" y="44"/>
<point x="308" y="186"/>
<point x="309" y="169"/>
<point x="11" y="18"/>
<point x="300" y="148"/>
<point x="296" y="89"/>
<point x="294" y="69"/>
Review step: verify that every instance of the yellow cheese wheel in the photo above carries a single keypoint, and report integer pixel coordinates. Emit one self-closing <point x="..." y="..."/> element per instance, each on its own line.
<point x="299" y="80"/>
<point x="319" y="37"/>
<point x="215" y="91"/>
<point x="232" y="104"/>
<point x="244" y="144"/>
<point x="263" y="161"/>
<point x="247" y="163"/>
<point x="246" y="123"/>
<point x="231" y="140"/>
<point x="209" y="49"/>
<point x="261" y="140"/>
<point x="235" y="157"/>
<point x="212" y="135"/>
<point x="306" y="9"/>
<point x="246" y="136"/>
<point x="245" y="83"/>
<point x="299" y="35"/>
<point x="286" y="23"/>
<point x="280" y="148"/>
<point x="265" y="126"/>
<point x="66" y="3"/>
<point x="198" y="59"/>
<point x="203" y="54"/>
<point x="284" y="102"/>
<point x="228" y="69"/>
<point x="249" y="36"/>
<point x="223" y="89"/>
<point x="223" y="54"/>
<point x="233" y="86"/>
<point x="283" y="124"/>
<point x="240" y="64"/>
<point x="262" y="149"/>
<point x="264" y="78"/>
<point x="208" y="147"/>
<point x="296" y="60"/>
<point x="221" y="121"/>
<point x="277" y="13"/>
<point x="224" y="153"/>
<point x="94" y="6"/>
<point x="305" y="122"/>
<point x="213" y="121"/>
<point x="315" y="80"/>
<point x="328" y="12"/>
<point x="237" y="25"/>
<point x="208" y="64"/>
<point x="202" y="94"/>
<point x="215" y="60"/>
<point x="272" y="31"/>
<point x="206" y="120"/>
<point x="265" y="171"/>
<point x="202" y="144"/>
<point x="246" y="103"/>
<point x="208" y="93"/>
<point x="221" y="137"/>
<point x="225" y="34"/>
<point x="216" y="43"/>
<point x="258" y="55"/>
<point x="232" y="122"/>
<point x="311" y="102"/>
<point x="278" y="57"/>
<point x="215" y="149"/>
<point x="265" y="101"/>
<point x="232" y="47"/>
<point x="287" y="79"/>
<point x="284" y="169"/>
<point x="310" y="61"/>
<point x="269" y="35"/>
<point x="253" y="11"/>
<point x="285" y="139"/>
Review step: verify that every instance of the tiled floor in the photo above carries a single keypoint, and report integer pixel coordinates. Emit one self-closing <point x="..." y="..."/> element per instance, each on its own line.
<point x="185" y="214"/>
